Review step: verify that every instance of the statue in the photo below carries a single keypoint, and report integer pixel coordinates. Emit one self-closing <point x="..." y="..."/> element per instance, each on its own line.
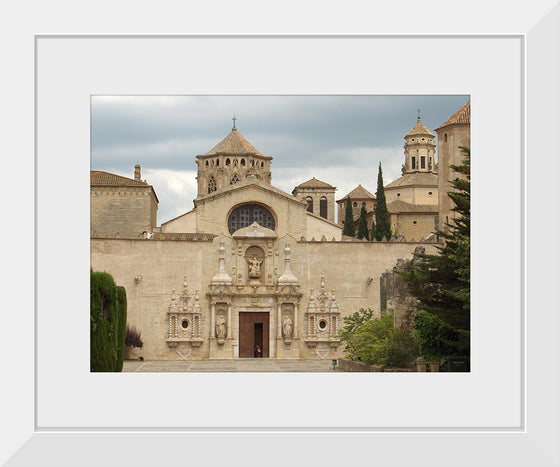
<point x="221" y="327"/>
<point x="287" y="326"/>
<point x="254" y="268"/>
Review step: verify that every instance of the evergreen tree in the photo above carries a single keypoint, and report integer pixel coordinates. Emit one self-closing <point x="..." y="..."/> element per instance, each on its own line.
<point x="372" y="234"/>
<point x="362" y="226"/>
<point x="349" y="220"/>
<point x="382" y="219"/>
<point x="441" y="282"/>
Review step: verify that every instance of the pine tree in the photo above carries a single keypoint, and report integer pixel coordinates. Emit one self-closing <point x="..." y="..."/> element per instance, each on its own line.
<point x="382" y="220"/>
<point x="349" y="220"/>
<point x="362" y="226"/>
<point x="441" y="283"/>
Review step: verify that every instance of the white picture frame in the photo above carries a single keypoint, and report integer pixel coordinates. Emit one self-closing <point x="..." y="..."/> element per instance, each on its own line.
<point x="530" y="438"/>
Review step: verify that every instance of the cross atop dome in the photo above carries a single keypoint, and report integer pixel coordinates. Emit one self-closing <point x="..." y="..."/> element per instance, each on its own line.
<point x="234" y="119"/>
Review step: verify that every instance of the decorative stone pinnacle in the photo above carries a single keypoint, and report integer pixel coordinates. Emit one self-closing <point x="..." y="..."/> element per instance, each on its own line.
<point x="287" y="277"/>
<point x="323" y="283"/>
<point x="222" y="278"/>
<point x="418" y="114"/>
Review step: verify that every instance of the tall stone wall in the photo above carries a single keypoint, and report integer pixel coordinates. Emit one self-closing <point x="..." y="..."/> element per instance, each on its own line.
<point x="122" y="211"/>
<point x="149" y="269"/>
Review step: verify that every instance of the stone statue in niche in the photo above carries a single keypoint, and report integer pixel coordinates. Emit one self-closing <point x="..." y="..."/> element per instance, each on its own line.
<point x="254" y="268"/>
<point x="221" y="330"/>
<point x="287" y="327"/>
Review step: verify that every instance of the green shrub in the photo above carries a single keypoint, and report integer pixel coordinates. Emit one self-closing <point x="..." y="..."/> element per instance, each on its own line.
<point x="436" y="338"/>
<point x="121" y="334"/>
<point x="374" y="340"/>
<point x="105" y="330"/>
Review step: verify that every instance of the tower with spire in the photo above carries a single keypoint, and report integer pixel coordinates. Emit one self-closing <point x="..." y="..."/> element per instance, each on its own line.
<point x="419" y="149"/>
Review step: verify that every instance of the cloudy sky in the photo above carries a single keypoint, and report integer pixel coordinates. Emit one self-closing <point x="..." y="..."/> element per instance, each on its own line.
<point x="337" y="139"/>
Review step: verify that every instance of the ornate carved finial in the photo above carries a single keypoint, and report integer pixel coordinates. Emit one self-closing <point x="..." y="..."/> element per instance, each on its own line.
<point x="173" y="296"/>
<point x="287" y="276"/>
<point x="323" y="283"/>
<point x="418" y="114"/>
<point x="222" y="277"/>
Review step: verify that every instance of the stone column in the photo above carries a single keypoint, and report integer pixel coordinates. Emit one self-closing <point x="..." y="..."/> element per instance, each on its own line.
<point x="271" y="351"/>
<point x="296" y="320"/>
<point x="213" y="321"/>
<point x="229" y="333"/>
<point x="279" y="317"/>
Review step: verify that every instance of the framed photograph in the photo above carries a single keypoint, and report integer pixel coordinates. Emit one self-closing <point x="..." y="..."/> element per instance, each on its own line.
<point x="505" y="411"/>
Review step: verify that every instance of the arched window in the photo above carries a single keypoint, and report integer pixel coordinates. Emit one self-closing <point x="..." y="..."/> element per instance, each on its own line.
<point x="211" y="185"/>
<point x="234" y="179"/>
<point x="243" y="162"/>
<point x="309" y="201"/>
<point x="206" y="163"/>
<point x="217" y="162"/>
<point x="262" y="165"/>
<point x="445" y="138"/>
<point x="228" y="161"/>
<point x="364" y="204"/>
<point x="354" y="204"/>
<point x="323" y="207"/>
<point x="245" y="215"/>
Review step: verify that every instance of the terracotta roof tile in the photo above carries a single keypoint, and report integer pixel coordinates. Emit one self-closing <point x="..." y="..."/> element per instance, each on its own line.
<point x="98" y="177"/>
<point x="314" y="183"/>
<point x="358" y="193"/>
<point x="463" y="115"/>
<point x="415" y="178"/>
<point x="403" y="206"/>
<point x="234" y="144"/>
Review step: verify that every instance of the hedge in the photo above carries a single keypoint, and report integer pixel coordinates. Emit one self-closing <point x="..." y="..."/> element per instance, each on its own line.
<point x="107" y="323"/>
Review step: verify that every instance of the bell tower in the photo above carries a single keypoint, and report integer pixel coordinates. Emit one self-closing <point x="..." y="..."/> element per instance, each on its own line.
<point x="419" y="150"/>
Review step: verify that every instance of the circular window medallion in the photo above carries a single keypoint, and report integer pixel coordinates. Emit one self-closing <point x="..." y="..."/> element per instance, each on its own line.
<point x="323" y="324"/>
<point x="184" y="324"/>
<point x="245" y="215"/>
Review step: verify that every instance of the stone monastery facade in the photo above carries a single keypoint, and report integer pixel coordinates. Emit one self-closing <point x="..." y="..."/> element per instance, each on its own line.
<point x="250" y="265"/>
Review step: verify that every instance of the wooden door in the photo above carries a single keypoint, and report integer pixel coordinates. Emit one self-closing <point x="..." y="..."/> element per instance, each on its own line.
<point x="253" y="330"/>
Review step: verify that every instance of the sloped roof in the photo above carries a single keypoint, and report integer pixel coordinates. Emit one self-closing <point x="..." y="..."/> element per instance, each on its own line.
<point x="403" y="206"/>
<point x="314" y="183"/>
<point x="98" y="177"/>
<point x="358" y="193"/>
<point x="234" y="144"/>
<point x="463" y="115"/>
<point x="415" y="179"/>
<point x="419" y="129"/>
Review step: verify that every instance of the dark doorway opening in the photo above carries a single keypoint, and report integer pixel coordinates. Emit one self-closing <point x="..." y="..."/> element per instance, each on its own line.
<point x="253" y="331"/>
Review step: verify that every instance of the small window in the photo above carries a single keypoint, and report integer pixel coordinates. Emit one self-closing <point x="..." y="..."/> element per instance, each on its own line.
<point x="412" y="139"/>
<point x="217" y="162"/>
<point x="429" y="193"/>
<point x="363" y="204"/>
<point x="445" y="138"/>
<point x="354" y="204"/>
<point x="322" y="324"/>
<point x="413" y="162"/>
<point x="414" y="222"/>
<point x="184" y="324"/>
<point x="228" y="161"/>
<point x="211" y="185"/>
<point x="243" y="162"/>
<point x="422" y="162"/>
<point x="309" y="204"/>
<point x="398" y="194"/>
<point x="423" y="139"/>
<point x="206" y="163"/>
<point x="323" y="207"/>
<point x="262" y="165"/>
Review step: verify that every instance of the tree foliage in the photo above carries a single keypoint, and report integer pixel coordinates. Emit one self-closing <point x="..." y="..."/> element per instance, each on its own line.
<point x="441" y="282"/>
<point x="348" y="229"/>
<point x="374" y="340"/>
<point x="133" y="337"/>
<point x="436" y="338"/>
<point x="382" y="219"/>
<point x="107" y="314"/>
<point x="362" y="226"/>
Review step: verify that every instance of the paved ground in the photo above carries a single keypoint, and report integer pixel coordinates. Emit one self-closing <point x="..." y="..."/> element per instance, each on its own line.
<point x="242" y="365"/>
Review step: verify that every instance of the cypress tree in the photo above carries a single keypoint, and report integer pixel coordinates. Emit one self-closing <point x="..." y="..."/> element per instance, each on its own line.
<point x="372" y="234"/>
<point x="349" y="220"/>
<point x="362" y="226"/>
<point x="382" y="220"/>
